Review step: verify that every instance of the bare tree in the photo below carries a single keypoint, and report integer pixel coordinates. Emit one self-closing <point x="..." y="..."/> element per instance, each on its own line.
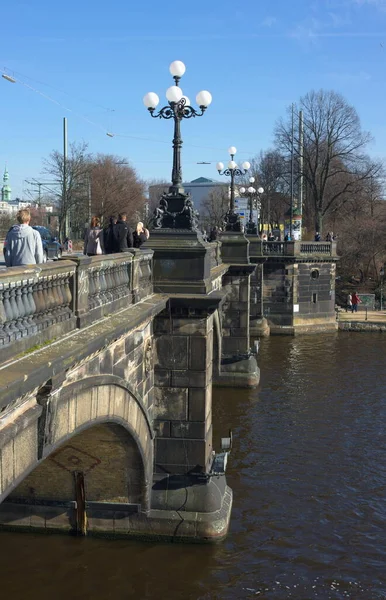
<point x="71" y="196"/>
<point x="334" y="154"/>
<point x="214" y="207"/>
<point x="270" y="172"/>
<point x="115" y="187"/>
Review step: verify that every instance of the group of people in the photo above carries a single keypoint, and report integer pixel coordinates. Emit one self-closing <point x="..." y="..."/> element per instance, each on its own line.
<point x="352" y="302"/>
<point x="330" y="237"/>
<point x="116" y="237"/>
<point x="23" y="244"/>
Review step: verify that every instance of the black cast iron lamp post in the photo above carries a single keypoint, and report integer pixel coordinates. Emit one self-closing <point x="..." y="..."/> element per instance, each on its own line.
<point x="252" y="194"/>
<point x="176" y="208"/>
<point x="232" y="219"/>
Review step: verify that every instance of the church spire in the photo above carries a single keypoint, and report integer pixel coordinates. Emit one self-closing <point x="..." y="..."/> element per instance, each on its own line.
<point x="6" y="189"/>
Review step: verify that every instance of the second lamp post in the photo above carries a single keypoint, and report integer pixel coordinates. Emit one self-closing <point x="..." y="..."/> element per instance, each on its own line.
<point x="232" y="219"/>
<point x="252" y="194"/>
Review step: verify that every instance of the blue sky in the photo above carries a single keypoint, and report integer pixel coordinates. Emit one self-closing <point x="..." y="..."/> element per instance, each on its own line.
<point x="255" y="57"/>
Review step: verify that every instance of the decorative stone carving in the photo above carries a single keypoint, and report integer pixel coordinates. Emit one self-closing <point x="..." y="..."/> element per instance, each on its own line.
<point x="148" y="358"/>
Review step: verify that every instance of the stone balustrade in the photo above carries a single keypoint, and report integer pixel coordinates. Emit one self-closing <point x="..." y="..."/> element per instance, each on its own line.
<point x="295" y="248"/>
<point x="36" y="304"/>
<point x="40" y="303"/>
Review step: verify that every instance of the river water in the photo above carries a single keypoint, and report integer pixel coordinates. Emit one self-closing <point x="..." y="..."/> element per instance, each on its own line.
<point x="308" y="471"/>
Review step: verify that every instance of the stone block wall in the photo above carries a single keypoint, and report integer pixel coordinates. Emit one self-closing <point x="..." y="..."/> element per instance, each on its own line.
<point x="314" y="293"/>
<point x="183" y="391"/>
<point x="236" y="311"/>
<point x="107" y="456"/>
<point x="278" y="292"/>
<point x="296" y="294"/>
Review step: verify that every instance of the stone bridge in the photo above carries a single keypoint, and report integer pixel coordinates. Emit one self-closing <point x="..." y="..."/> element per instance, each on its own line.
<point x="106" y="375"/>
<point x="106" y="372"/>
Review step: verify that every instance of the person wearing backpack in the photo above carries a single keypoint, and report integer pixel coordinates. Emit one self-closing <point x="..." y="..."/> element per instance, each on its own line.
<point x="123" y="234"/>
<point x="93" y="239"/>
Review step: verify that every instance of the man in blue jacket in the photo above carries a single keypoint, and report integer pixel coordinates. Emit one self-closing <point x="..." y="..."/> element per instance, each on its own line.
<point x="23" y="245"/>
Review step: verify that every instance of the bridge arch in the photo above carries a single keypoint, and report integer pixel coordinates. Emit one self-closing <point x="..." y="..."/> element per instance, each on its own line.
<point x="99" y="428"/>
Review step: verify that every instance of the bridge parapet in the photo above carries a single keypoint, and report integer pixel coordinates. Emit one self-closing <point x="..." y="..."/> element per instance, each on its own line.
<point x="298" y="249"/>
<point x="41" y="303"/>
<point x="36" y="304"/>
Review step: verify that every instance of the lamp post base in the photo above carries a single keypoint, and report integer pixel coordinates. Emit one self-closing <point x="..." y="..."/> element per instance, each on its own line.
<point x="251" y="228"/>
<point x="234" y="247"/>
<point x="232" y="221"/>
<point x="176" y="211"/>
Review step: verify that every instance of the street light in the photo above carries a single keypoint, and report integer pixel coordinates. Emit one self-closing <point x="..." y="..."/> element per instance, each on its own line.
<point x="252" y="194"/>
<point x="382" y="274"/>
<point x="176" y="208"/>
<point x="232" y="219"/>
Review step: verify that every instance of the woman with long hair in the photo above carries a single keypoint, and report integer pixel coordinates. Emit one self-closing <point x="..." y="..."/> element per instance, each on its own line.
<point x="93" y="239"/>
<point x="140" y="235"/>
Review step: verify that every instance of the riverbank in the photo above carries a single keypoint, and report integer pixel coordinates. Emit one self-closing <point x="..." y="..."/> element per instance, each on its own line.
<point x="362" y="321"/>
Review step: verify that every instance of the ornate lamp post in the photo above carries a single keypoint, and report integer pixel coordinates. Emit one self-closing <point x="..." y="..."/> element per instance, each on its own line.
<point x="232" y="219"/>
<point x="382" y="274"/>
<point x="252" y="194"/>
<point x="176" y="208"/>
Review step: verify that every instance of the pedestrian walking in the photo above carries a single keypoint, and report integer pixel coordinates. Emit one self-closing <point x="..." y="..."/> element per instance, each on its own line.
<point x="93" y="239"/>
<point x="317" y="237"/>
<point x="140" y="235"/>
<point x="109" y="240"/>
<point x="23" y="245"/>
<point x="355" y="301"/>
<point x="349" y="303"/>
<point x="123" y="234"/>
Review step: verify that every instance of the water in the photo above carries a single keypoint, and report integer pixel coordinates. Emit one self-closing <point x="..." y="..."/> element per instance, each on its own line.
<point x="308" y="471"/>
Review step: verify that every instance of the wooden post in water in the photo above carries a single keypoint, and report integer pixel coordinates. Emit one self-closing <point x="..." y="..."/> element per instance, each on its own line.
<point x="80" y="496"/>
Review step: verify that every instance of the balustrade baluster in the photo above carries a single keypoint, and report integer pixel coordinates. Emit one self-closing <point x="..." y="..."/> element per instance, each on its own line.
<point x="109" y="285"/>
<point x="15" y="312"/>
<point x="67" y="294"/>
<point x="57" y="299"/>
<point x="121" y="279"/>
<point x="47" y="317"/>
<point x="3" y="318"/>
<point x="26" y="305"/>
<point x="91" y="290"/>
<point x="9" y="328"/>
<point x="31" y="302"/>
<point x="61" y="296"/>
<point x="21" y="321"/>
<point x="51" y="297"/>
<point x="115" y="282"/>
<point x="102" y="296"/>
<point x="40" y="304"/>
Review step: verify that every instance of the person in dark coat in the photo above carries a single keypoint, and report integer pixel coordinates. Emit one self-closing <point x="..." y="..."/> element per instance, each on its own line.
<point x="109" y="237"/>
<point x="123" y="234"/>
<point x="140" y="235"/>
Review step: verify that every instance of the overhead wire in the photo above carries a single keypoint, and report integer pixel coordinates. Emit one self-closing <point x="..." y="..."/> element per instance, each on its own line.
<point x="7" y="75"/>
